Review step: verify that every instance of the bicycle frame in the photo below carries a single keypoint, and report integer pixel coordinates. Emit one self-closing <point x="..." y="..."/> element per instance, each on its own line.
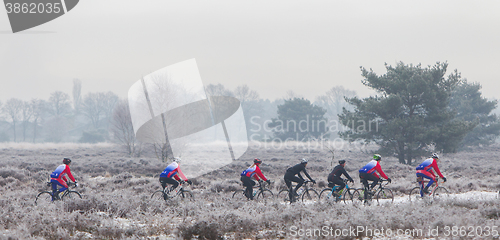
<point x="166" y="191"/>
<point x="261" y="187"/>
<point x="423" y="182"/>
<point x="334" y="188"/>
<point x="376" y="189"/>
<point x="301" y="190"/>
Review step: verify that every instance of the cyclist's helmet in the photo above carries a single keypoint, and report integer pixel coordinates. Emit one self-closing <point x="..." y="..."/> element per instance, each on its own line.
<point x="257" y="161"/>
<point x="304" y="161"/>
<point x="435" y="156"/>
<point x="177" y="160"/>
<point x="66" y="161"/>
<point x="341" y="161"/>
<point x="377" y="157"/>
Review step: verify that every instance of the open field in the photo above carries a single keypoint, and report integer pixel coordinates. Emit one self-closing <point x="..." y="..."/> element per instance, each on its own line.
<point x="116" y="203"/>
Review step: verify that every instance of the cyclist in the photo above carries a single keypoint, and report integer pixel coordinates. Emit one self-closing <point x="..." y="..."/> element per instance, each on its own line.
<point x="58" y="178"/>
<point x="295" y="170"/>
<point x="424" y="170"/>
<point x="246" y="177"/>
<point x="171" y="175"/>
<point x="369" y="173"/>
<point x="334" y="178"/>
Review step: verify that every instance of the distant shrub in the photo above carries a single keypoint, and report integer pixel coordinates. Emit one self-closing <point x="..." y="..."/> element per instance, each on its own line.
<point x="5" y="181"/>
<point x="12" y="172"/>
<point x="202" y="230"/>
<point x="93" y="136"/>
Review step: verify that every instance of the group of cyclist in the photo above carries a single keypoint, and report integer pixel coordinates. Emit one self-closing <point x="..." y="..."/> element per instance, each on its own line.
<point x="174" y="176"/>
<point x="368" y="173"/>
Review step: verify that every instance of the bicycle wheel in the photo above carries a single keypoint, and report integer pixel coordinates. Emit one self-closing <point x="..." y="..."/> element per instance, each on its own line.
<point x="264" y="195"/>
<point x="71" y="195"/>
<point x="385" y="195"/>
<point x="239" y="195"/>
<point x="348" y="195"/>
<point x="158" y="195"/>
<point x="283" y="196"/>
<point x="310" y="195"/>
<point x="358" y="196"/>
<point x="441" y="193"/>
<point x="415" y="194"/>
<point x="328" y="196"/>
<point x="185" y="194"/>
<point x="43" y="198"/>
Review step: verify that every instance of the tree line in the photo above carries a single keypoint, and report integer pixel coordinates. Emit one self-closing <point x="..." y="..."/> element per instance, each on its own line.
<point x="416" y="110"/>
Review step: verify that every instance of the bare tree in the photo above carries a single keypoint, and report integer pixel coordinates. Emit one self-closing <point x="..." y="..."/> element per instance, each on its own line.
<point x="109" y="102"/>
<point x="217" y="90"/>
<point x="59" y="104"/>
<point x="13" y="108"/>
<point x="244" y="94"/>
<point x="93" y="107"/>
<point x="122" y="128"/>
<point x="38" y="107"/>
<point x="77" y="95"/>
<point x="26" y="115"/>
<point x="334" y="100"/>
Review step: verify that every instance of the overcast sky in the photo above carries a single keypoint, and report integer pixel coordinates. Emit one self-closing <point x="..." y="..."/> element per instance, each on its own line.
<point x="272" y="46"/>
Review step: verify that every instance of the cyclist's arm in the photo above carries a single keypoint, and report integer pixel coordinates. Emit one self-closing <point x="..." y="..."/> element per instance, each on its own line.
<point x="258" y="172"/>
<point x="307" y="175"/>
<point x="347" y="175"/>
<point x="68" y="171"/>
<point x="435" y="166"/>
<point x="379" y="170"/>
<point x="300" y="176"/>
<point x="181" y="174"/>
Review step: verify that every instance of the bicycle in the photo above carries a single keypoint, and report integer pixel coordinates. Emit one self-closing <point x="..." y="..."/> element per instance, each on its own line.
<point x="437" y="192"/>
<point x="330" y="195"/>
<point x="305" y="193"/>
<point x="45" y="197"/>
<point x="382" y="193"/>
<point x="261" y="193"/>
<point x="168" y="193"/>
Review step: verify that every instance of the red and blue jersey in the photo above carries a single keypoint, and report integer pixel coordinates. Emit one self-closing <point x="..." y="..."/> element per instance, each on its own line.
<point x="173" y="170"/>
<point x="427" y="166"/>
<point x="254" y="172"/>
<point x="372" y="168"/>
<point x="60" y="174"/>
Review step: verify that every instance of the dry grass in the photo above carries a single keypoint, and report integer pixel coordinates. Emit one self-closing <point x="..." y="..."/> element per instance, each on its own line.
<point x="116" y="196"/>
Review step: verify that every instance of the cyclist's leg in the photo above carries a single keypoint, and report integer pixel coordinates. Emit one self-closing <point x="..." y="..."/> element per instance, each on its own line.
<point x="364" y="181"/>
<point x="299" y="182"/>
<point x="55" y="191"/>
<point x="289" y="178"/>
<point x="369" y="177"/>
<point x="163" y="182"/>
<point x="340" y="183"/>
<point x="426" y="175"/>
<point x="420" y="183"/>
<point x="248" y="183"/>
<point x="174" y="184"/>
<point x="374" y="183"/>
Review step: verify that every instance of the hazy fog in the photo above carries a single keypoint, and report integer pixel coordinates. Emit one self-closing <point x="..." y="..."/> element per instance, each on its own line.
<point x="272" y="46"/>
